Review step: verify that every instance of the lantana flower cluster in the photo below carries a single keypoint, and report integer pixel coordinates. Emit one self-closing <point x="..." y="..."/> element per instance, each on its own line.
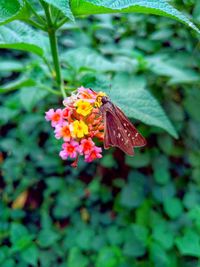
<point x="79" y="124"/>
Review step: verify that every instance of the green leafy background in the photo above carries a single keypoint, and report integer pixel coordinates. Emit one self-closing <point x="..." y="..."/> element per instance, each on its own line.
<point x="121" y="211"/>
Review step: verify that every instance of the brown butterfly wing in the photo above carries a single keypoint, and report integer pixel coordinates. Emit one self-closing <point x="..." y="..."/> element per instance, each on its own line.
<point x="137" y="139"/>
<point x="115" y="136"/>
<point x="119" y="131"/>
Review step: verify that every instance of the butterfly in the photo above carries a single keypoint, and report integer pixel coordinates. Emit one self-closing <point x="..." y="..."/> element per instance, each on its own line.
<point x="118" y="129"/>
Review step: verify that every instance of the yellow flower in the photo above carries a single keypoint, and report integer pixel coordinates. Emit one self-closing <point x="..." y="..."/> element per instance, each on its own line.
<point x="79" y="129"/>
<point x="98" y="102"/>
<point x="83" y="107"/>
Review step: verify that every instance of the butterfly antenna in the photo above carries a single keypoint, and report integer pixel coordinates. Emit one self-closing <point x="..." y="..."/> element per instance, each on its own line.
<point x="110" y="88"/>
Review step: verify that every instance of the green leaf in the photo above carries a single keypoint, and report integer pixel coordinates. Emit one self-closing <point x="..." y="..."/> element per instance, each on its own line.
<point x="173" y="207"/>
<point x="3" y="253"/>
<point x="30" y="255"/>
<point x="161" y="170"/>
<point x="159" y="256"/>
<point x="7" y="114"/>
<point x="140" y="160"/>
<point x="159" y="234"/>
<point x="143" y="212"/>
<point x="115" y="235"/>
<point x="17" y="231"/>
<point x="163" y="192"/>
<point x="191" y="103"/>
<point x="156" y="7"/>
<point x="194" y="214"/>
<point x="9" y="10"/>
<point x="9" y="65"/>
<point x="189" y="244"/>
<point x="20" y="238"/>
<point x="17" y="35"/>
<point x="16" y="84"/>
<point x="139" y="104"/>
<point x="84" y="58"/>
<point x="133" y="193"/>
<point x="66" y="203"/>
<point x="191" y="199"/>
<point x="8" y="263"/>
<point x="47" y="238"/>
<point x="63" y="6"/>
<point x="109" y="257"/>
<point x="163" y="64"/>
<point x="30" y="96"/>
<point x="76" y="258"/>
<point x="136" y="241"/>
<point x="196" y="11"/>
<point x="84" y="238"/>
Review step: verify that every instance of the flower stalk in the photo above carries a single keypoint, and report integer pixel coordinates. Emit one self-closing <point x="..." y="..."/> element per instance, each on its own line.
<point x="54" y="48"/>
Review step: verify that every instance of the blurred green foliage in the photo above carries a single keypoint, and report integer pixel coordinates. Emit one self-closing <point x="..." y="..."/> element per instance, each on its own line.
<point x="121" y="211"/>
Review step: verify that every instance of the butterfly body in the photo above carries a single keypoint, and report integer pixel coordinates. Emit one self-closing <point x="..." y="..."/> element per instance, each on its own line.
<point x="118" y="129"/>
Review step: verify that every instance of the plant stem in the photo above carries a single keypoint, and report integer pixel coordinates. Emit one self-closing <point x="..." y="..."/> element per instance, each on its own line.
<point x="54" y="48"/>
<point x="42" y="21"/>
<point x="57" y="17"/>
<point x="35" y="24"/>
<point x="61" y="23"/>
<point x="55" y="92"/>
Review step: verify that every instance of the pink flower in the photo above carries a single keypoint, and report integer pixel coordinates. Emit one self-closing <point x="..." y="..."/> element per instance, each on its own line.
<point x="94" y="154"/>
<point x="70" y="149"/>
<point x="87" y="94"/>
<point x="79" y="124"/>
<point x="82" y="89"/>
<point x="63" y="131"/>
<point x="54" y="116"/>
<point x="86" y="146"/>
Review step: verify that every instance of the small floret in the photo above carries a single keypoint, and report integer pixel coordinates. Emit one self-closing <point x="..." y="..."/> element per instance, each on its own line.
<point x="55" y="117"/>
<point x="70" y="150"/>
<point x="79" y="129"/>
<point x="94" y="154"/>
<point x="83" y="107"/>
<point x="63" y="131"/>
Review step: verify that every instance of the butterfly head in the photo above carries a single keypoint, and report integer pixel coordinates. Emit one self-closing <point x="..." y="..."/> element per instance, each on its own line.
<point x="105" y="100"/>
